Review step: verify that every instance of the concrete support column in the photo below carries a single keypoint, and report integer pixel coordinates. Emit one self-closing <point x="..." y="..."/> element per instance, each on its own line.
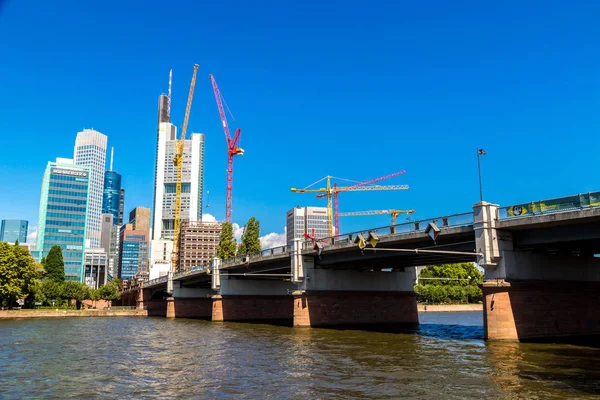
<point x="143" y="297"/>
<point x="170" y="307"/>
<point x="354" y="308"/>
<point x="532" y="297"/>
<point x="252" y="308"/>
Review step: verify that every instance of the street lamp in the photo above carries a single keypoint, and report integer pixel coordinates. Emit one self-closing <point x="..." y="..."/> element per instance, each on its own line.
<point x="480" y="152"/>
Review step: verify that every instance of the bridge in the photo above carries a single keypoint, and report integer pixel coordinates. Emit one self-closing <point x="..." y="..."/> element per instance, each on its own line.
<point x="541" y="279"/>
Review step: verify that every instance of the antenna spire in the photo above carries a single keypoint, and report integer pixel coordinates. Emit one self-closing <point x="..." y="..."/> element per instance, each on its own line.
<point x="169" y="95"/>
<point x="112" y="156"/>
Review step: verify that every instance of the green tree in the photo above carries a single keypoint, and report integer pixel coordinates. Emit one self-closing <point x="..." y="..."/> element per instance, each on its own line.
<point x="51" y="290"/>
<point x="226" y="246"/>
<point x="94" y="296"/>
<point x="73" y="290"/>
<point x="251" y="237"/>
<point x="55" y="264"/>
<point x="18" y="271"/>
<point x="450" y="283"/>
<point x="110" y="291"/>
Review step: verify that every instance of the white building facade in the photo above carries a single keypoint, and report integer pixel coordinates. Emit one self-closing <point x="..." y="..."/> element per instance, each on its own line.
<point x="301" y="220"/>
<point x="90" y="151"/>
<point x="163" y="216"/>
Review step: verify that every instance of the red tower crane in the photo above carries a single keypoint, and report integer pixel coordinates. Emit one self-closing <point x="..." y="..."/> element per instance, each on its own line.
<point x="232" y="148"/>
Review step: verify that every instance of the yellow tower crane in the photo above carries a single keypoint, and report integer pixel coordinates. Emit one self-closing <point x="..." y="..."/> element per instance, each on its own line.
<point x="332" y="193"/>
<point x="178" y="161"/>
<point x="393" y="213"/>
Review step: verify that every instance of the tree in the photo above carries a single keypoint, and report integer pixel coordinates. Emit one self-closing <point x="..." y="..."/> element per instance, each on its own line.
<point x="55" y="264"/>
<point x="73" y="290"/>
<point x="110" y="291"/>
<point x="450" y="283"/>
<point x="94" y="296"/>
<point x="18" y="271"/>
<point x="226" y="246"/>
<point x="51" y="290"/>
<point x="250" y="237"/>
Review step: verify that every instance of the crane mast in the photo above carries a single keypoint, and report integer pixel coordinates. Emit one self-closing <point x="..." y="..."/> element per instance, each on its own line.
<point x="178" y="161"/>
<point x="232" y="148"/>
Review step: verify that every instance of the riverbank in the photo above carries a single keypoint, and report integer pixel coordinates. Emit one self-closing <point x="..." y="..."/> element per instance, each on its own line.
<point x="71" y="313"/>
<point x="449" y="307"/>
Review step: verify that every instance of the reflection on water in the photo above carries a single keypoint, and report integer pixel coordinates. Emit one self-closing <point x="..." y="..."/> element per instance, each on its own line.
<point x="445" y="357"/>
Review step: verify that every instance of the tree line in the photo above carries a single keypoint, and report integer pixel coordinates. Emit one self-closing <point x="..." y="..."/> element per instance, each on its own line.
<point x="458" y="283"/>
<point x="21" y="277"/>
<point x="250" y="242"/>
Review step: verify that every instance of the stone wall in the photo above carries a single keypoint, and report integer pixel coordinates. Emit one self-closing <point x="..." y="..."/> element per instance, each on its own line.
<point x="339" y="308"/>
<point x="248" y="308"/>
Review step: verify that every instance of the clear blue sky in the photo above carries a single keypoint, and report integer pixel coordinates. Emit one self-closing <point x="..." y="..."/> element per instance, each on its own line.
<point x="347" y="88"/>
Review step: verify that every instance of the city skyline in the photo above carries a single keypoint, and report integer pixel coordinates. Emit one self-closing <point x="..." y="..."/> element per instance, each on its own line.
<point x="462" y="93"/>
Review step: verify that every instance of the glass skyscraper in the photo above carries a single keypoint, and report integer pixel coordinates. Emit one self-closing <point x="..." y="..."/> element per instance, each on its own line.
<point x="133" y="252"/>
<point x="63" y="214"/>
<point x="13" y="230"/>
<point x="111" y="199"/>
<point x="90" y="151"/>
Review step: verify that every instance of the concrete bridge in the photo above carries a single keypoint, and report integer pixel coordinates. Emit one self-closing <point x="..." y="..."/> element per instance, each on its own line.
<point x="541" y="274"/>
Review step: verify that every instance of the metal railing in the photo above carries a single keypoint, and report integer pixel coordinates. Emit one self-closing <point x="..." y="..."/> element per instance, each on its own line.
<point x="192" y="270"/>
<point x="552" y="206"/>
<point x="151" y="282"/>
<point x="444" y="222"/>
<point x="243" y="258"/>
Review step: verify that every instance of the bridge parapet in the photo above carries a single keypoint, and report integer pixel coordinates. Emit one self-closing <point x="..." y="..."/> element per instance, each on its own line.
<point x="552" y="206"/>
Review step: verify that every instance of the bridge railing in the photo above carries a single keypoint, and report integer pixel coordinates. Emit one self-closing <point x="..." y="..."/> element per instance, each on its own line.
<point x="191" y="270"/>
<point x="444" y="222"/>
<point x="552" y="206"/>
<point x="162" y="279"/>
<point x="242" y="258"/>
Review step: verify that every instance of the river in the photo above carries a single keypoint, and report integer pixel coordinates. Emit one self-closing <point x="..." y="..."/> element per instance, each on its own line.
<point x="444" y="358"/>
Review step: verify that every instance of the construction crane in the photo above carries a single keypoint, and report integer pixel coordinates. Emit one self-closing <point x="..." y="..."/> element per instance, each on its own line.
<point x="232" y="147"/>
<point x="178" y="161"/>
<point x="331" y="192"/>
<point x="393" y="213"/>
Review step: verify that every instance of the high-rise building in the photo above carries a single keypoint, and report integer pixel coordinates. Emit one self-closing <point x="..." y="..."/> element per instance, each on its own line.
<point x="95" y="268"/>
<point x="110" y="243"/>
<point x="301" y="220"/>
<point x="133" y="252"/>
<point x="198" y="243"/>
<point x="13" y="230"/>
<point x="90" y="151"/>
<point x="139" y="217"/>
<point x="121" y="207"/>
<point x="165" y="181"/>
<point x="62" y="216"/>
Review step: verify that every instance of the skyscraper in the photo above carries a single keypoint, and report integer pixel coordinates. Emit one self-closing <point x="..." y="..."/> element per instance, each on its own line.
<point x="111" y="198"/>
<point x="13" y="230"/>
<point x="165" y="182"/>
<point x="90" y="151"/>
<point x="133" y="252"/>
<point x="301" y="220"/>
<point x="62" y="216"/>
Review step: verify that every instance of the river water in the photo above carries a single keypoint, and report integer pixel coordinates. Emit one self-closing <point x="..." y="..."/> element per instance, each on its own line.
<point x="444" y="358"/>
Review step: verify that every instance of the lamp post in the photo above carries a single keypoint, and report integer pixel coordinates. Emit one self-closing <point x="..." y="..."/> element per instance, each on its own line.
<point x="480" y="152"/>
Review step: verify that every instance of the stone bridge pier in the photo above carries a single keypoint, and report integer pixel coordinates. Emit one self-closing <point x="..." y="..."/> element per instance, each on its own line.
<point x="337" y="297"/>
<point x="534" y="296"/>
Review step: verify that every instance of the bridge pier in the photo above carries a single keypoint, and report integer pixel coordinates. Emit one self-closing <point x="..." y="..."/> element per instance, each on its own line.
<point x="339" y="297"/>
<point x="253" y="300"/>
<point x="541" y="297"/>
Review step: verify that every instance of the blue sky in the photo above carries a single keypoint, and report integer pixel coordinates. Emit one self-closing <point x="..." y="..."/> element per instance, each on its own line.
<point x="351" y="89"/>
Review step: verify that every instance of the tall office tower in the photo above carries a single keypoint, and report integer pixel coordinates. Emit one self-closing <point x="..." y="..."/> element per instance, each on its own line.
<point x="110" y="243"/>
<point x="90" y="151"/>
<point x="121" y="207"/>
<point x="13" y="230"/>
<point x="62" y="215"/>
<point x="165" y="181"/>
<point x="111" y="196"/>
<point x="199" y="242"/>
<point x="133" y="252"/>
<point x="139" y="217"/>
<point x="301" y="220"/>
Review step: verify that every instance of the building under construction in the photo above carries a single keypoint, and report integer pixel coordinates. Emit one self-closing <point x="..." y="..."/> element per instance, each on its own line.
<point x="198" y="243"/>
